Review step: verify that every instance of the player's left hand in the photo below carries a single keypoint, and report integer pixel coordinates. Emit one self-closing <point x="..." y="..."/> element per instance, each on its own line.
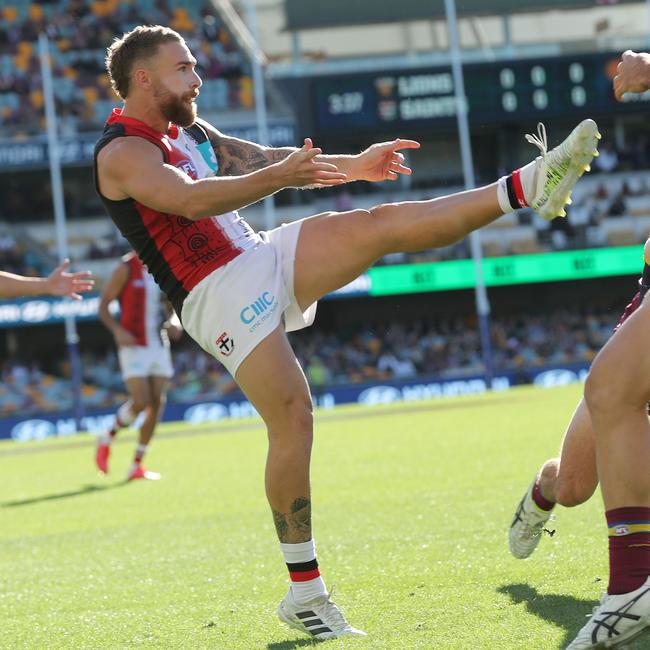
<point x="61" y="283"/>
<point x="383" y="161"/>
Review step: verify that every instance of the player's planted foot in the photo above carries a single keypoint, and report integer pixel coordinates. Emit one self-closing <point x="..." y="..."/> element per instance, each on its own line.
<point x="557" y="171"/>
<point x="527" y="526"/>
<point x="320" y="618"/>
<point x="102" y="453"/>
<point x="137" y="471"/>
<point x="618" y="619"/>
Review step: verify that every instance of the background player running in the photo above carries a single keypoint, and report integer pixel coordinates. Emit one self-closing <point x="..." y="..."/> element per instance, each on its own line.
<point x="172" y="183"/>
<point x="144" y="356"/>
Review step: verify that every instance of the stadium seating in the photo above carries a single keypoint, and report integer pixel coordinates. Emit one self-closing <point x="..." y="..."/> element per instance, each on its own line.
<point x="444" y="349"/>
<point x="79" y="31"/>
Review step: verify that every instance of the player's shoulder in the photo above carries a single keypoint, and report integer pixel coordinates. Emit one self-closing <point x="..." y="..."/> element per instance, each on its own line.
<point x="124" y="150"/>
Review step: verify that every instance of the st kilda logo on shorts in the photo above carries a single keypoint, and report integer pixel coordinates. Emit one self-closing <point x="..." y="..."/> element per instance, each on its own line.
<point x="225" y="344"/>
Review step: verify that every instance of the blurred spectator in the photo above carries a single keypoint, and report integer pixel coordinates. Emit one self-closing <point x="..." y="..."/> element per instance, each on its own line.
<point x="394" y="350"/>
<point x="617" y="207"/>
<point x="607" y="161"/>
<point x="79" y="32"/>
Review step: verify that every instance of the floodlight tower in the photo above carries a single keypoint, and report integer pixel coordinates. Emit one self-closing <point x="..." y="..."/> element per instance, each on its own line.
<point x="482" y="302"/>
<point x="71" y="336"/>
<point x="260" y="102"/>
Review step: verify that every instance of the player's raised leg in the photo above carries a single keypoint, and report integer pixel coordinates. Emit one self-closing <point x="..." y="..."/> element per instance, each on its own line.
<point x="273" y="381"/>
<point x="334" y="248"/>
<point x="617" y="392"/>
<point x="568" y="480"/>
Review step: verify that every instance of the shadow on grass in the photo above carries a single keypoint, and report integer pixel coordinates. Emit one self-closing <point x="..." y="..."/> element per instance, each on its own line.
<point x="86" y="489"/>
<point x="564" y="611"/>
<point x="289" y="645"/>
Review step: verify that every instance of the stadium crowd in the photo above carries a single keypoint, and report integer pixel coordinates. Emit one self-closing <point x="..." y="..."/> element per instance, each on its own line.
<point x="18" y="258"/>
<point x="78" y="31"/>
<point x="445" y="348"/>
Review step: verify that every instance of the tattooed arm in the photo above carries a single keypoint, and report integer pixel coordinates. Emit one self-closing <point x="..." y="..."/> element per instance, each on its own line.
<point x="238" y="157"/>
<point x="379" y="162"/>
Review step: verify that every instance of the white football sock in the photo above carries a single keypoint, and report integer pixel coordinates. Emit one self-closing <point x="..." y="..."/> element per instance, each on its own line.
<point x="301" y="562"/>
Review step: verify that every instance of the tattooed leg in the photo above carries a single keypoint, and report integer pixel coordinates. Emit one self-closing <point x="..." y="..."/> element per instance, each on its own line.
<point x="273" y="381"/>
<point x="295" y="526"/>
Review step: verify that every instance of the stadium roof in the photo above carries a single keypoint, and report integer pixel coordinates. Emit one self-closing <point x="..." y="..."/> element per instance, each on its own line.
<point x="337" y="13"/>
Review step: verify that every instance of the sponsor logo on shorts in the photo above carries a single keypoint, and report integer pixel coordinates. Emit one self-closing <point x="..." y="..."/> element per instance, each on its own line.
<point x="225" y="344"/>
<point x="259" y="310"/>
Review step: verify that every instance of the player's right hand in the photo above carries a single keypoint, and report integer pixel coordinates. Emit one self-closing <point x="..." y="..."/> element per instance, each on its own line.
<point x="301" y="168"/>
<point x="632" y="74"/>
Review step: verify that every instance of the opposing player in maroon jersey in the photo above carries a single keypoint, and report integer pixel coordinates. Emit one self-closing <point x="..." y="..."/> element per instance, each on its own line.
<point x="172" y="183"/>
<point x="142" y="341"/>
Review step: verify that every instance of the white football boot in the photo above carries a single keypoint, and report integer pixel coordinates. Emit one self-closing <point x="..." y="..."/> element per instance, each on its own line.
<point x="527" y="526"/>
<point x="557" y="171"/>
<point x="617" y="621"/>
<point x="320" y="618"/>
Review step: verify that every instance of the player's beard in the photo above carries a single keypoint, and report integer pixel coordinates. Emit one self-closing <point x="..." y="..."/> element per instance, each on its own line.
<point x="176" y="108"/>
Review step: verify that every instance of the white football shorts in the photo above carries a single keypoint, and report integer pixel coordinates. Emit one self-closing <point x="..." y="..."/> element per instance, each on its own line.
<point x="145" y="361"/>
<point x="238" y="305"/>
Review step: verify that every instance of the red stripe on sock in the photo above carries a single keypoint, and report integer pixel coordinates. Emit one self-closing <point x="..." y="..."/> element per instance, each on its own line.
<point x="304" y="576"/>
<point x="519" y="189"/>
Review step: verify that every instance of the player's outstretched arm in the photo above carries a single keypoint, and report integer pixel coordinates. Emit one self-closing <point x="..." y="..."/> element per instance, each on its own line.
<point x="58" y="283"/>
<point x="236" y="157"/>
<point x="382" y="161"/>
<point x="133" y="168"/>
<point x="632" y="74"/>
<point x="379" y="162"/>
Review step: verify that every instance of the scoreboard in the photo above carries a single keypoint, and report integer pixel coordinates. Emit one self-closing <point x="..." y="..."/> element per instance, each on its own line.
<point x="496" y="92"/>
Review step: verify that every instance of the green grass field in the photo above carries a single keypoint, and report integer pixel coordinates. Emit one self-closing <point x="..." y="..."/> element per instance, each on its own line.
<point x="411" y="508"/>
